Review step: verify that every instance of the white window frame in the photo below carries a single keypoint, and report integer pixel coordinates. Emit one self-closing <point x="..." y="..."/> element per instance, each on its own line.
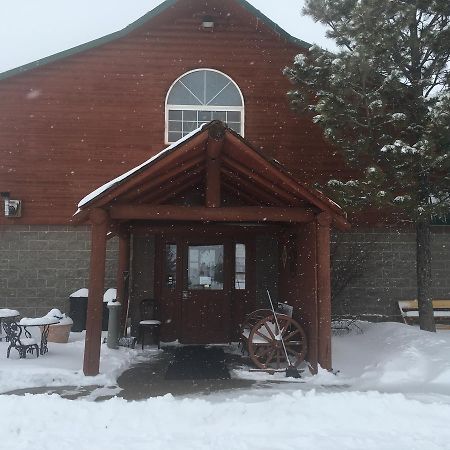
<point x="199" y="107"/>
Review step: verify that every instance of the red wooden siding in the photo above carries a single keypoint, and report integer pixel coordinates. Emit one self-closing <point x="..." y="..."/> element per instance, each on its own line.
<point x="71" y="125"/>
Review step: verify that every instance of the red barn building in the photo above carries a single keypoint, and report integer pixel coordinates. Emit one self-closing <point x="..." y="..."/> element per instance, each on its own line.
<point x="73" y="121"/>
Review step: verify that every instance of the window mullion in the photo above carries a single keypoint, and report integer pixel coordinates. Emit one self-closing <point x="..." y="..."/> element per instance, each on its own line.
<point x="204" y="87"/>
<point x="219" y="93"/>
<point x="189" y="116"/>
<point x="199" y="101"/>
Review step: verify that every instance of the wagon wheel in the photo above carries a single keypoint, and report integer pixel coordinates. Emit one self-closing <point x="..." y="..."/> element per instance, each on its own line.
<point x="265" y="347"/>
<point x="252" y="318"/>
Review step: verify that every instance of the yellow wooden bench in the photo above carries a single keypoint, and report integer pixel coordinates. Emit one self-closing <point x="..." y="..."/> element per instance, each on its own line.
<point x="409" y="310"/>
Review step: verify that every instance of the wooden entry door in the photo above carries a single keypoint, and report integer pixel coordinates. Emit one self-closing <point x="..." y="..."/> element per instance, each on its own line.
<point x="204" y="304"/>
<point x="206" y="292"/>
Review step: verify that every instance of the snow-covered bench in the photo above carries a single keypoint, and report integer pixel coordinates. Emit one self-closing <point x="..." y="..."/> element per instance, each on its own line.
<point x="409" y="310"/>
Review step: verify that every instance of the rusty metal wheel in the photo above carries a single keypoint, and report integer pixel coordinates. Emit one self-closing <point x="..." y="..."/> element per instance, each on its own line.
<point x="265" y="347"/>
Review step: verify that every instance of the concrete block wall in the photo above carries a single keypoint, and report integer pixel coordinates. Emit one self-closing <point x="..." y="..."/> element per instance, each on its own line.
<point x="40" y="266"/>
<point x="389" y="273"/>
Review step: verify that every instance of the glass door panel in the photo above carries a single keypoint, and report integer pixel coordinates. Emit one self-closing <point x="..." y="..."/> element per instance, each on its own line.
<point x="170" y="263"/>
<point x="205" y="267"/>
<point x="239" y="269"/>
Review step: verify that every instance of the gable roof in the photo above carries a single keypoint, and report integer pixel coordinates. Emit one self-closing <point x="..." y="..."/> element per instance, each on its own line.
<point x="244" y="171"/>
<point x="99" y="192"/>
<point x="138" y="23"/>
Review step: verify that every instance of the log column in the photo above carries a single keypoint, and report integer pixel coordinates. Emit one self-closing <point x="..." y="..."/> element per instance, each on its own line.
<point x="123" y="266"/>
<point x="99" y="220"/>
<point x="305" y="298"/>
<point x="213" y="151"/>
<point x="323" y="224"/>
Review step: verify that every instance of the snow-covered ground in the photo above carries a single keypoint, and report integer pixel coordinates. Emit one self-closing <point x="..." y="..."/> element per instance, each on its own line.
<point x="392" y="392"/>
<point x="386" y="357"/>
<point x="393" y="357"/>
<point x="297" y="420"/>
<point x="61" y="366"/>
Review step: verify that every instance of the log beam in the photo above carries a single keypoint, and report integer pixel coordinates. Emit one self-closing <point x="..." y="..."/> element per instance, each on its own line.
<point x="172" y="230"/>
<point x="238" y="149"/>
<point x="164" y="178"/>
<point x="251" y="188"/>
<point x="269" y="185"/>
<point x="240" y="194"/>
<point x="100" y="225"/>
<point x="186" y="152"/>
<point x="169" y="190"/>
<point x="199" y="213"/>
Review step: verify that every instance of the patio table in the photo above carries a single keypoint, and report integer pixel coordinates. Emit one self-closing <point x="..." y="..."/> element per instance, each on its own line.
<point x="6" y="313"/>
<point x="44" y="324"/>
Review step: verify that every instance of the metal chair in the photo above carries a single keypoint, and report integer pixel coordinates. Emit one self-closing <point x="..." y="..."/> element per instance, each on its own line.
<point x="149" y="321"/>
<point x="24" y="344"/>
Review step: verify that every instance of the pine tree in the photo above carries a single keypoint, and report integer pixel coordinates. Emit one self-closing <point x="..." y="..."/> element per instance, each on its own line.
<point x="383" y="100"/>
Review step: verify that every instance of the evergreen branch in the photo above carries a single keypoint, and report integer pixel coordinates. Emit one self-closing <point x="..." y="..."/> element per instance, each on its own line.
<point x="435" y="83"/>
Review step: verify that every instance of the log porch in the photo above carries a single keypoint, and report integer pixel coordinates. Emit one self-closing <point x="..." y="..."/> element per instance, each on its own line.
<point x="214" y="178"/>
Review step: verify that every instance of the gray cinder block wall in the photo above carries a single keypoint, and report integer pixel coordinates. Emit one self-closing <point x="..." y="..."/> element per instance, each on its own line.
<point x="40" y="266"/>
<point x="389" y="272"/>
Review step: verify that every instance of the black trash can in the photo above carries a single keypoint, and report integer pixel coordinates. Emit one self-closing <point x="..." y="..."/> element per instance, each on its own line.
<point x="78" y="309"/>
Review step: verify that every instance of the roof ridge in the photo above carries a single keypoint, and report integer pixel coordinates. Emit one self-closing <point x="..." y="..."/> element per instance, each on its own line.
<point x="133" y="26"/>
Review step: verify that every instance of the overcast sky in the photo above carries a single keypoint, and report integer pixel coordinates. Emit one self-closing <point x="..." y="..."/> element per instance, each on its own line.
<point x="33" y="29"/>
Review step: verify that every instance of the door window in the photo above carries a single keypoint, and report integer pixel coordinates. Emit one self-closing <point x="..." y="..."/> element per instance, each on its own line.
<point x="171" y="266"/>
<point x="239" y="271"/>
<point x="205" y="267"/>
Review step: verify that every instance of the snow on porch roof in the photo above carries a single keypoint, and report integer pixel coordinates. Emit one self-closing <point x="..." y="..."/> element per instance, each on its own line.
<point x="192" y="141"/>
<point x="111" y="184"/>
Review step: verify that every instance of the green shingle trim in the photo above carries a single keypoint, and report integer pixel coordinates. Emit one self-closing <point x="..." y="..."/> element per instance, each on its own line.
<point x="91" y="44"/>
<point x="136" y="24"/>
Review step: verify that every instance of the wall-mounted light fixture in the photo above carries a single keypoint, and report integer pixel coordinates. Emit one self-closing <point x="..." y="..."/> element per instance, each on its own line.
<point x="13" y="208"/>
<point x="208" y="23"/>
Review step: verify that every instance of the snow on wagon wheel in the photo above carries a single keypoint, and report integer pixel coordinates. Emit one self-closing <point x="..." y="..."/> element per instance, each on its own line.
<point x="265" y="347"/>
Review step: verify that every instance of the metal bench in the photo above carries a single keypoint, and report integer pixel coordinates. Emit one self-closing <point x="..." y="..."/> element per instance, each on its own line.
<point x="409" y="310"/>
<point x="22" y="343"/>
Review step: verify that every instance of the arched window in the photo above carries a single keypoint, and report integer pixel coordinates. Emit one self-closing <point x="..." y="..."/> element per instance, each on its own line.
<point x="200" y="96"/>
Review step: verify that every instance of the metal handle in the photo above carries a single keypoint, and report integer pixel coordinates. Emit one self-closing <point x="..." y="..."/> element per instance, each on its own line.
<point x="185" y="295"/>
